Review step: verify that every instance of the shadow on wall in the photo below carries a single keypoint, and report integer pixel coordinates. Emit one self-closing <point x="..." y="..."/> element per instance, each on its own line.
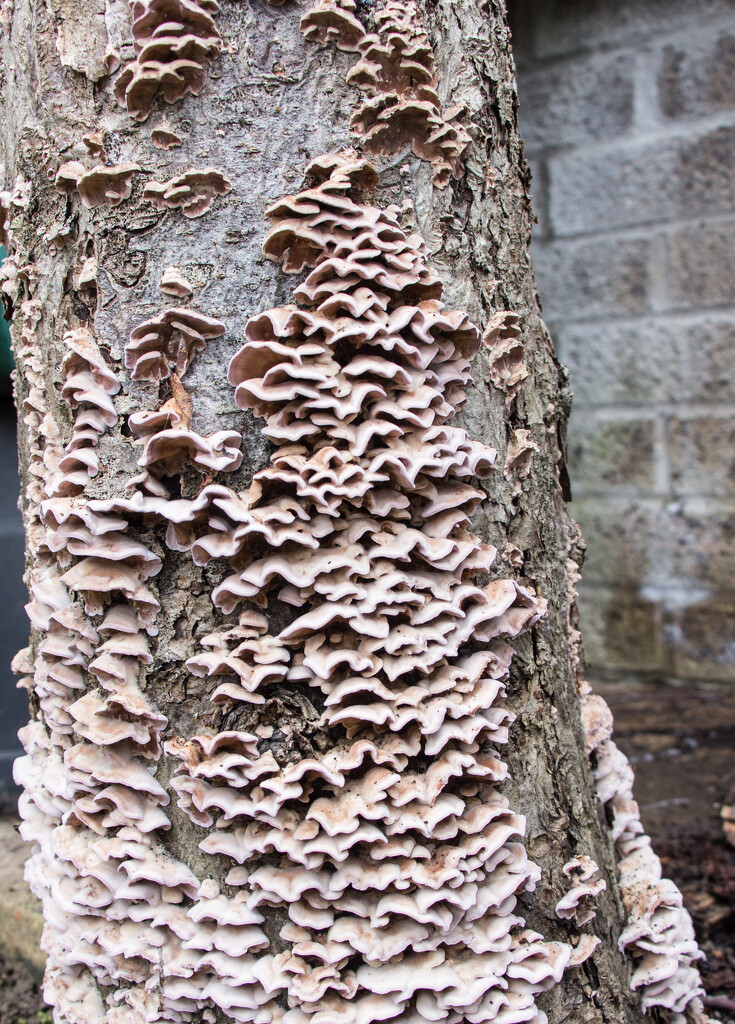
<point x="627" y="108"/>
<point x="13" y="619"/>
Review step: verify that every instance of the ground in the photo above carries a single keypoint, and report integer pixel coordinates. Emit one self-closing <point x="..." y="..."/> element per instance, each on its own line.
<point x="681" y="743"/>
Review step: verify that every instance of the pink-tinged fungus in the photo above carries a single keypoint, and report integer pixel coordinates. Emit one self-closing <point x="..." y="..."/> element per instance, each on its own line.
<point x="169" y="342"/>
<point x="164" y="137"/>
<point x="192" y="192"/>
<point x="174" y="283"/>
<point x="174" y="42"/>
<point x="397" y="75"/>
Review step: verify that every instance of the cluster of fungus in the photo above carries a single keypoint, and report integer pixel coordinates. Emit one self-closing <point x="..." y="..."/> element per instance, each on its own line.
<point x="379" y="836"/>
<point x="192" y="192"/>
<point x="88" y="387"/>
<point x="578" y="903"/>
<point x="658" y="933"/>
<point x="169" y="342"/>
<point x="174" y="41"/>
<point x="372" y="866"/>
<point x="507" y="369"/>
<point x="121" y="914"/>
<point x="101" y="185"/>
<point x="397" y="75"/>
<point x="383" y="840"/>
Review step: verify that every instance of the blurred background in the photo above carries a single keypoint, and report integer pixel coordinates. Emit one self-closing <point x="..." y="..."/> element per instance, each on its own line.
<point x="627" y="109"/>
<point x="14" y="625"/>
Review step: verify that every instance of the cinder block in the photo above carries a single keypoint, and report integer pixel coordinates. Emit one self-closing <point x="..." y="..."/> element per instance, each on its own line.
<point x="696" y="76"/>
<point x="607" y="454"/>
<point x="620" y="363"/>
<point x="702" y="262"/>
<point x="650" y="182"/>
<point x="704" y="360"/>
<point x="701" y="551"/>
<point x="642" y="544"/>
<point x="701" y="639"/>
<point x="658" y="595"/>
<point x="591" y="278"/>
<point x="562" y="27"/>
<point x="625" y="544"/>
<point x="702" y="456"/>
<point x="621" y="630"/>
<point x="564" y="105"/>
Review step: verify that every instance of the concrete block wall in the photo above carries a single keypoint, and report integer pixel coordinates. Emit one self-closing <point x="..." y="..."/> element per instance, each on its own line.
<point x="627" y="108"/>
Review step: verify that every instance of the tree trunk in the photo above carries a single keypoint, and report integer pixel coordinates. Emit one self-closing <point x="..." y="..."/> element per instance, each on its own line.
<point x="205" y="692"/>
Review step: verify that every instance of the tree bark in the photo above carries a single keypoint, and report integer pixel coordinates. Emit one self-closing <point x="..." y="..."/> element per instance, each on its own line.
<point x="89" y="253"/>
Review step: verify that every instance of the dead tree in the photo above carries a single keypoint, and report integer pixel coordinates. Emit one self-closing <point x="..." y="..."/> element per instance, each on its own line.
<point x="291" y="616"/>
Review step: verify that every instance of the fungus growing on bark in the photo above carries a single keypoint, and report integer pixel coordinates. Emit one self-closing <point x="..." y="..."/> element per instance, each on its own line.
<point x="88" y="387"/>
<point x="87" y="276"/>
<point x="519" y="460"/>
<point x="94" y="143"/>
<point x="192" y="192"/>
<point x="164" y="137"/>
<point x="174" y="42"/>
<point x="68" y="175"/>
<point x="100" y="186"/>
<point x="169" y="342"/>
<point x="386" y="870"/>
<point x="106" y="186"/>
<point x="658" y="936"/>
<point x="167" y="451"/>
<point x="113" y="897"/>
<point x="400" y="862"/>
<point x="397" y="75"/>
<point x="334" y="21"/>
<point x="174" y="283"/>
<point x="578" y="903"/>
<point x="507" y="368"/>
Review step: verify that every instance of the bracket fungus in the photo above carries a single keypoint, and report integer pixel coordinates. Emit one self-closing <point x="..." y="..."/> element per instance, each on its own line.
<point x="398" y="884"/>
<point x="508" y="371"/>
<point x="174" y="283"/>
<point x="659" y="935"/>
<point x="100" y="186"/>
<point x="397" y="861"/>
<point x="192" y="192"/>
<point x="578" y="903"/>
<point x="169" y="342"/>
<point x="88" y="388"/>
<point x="397" y="75"/>
<point x="334" y="21"/>
<point x="164" y="137"/>
<point x="174" y="42"/>
<point x="117" y="904"/>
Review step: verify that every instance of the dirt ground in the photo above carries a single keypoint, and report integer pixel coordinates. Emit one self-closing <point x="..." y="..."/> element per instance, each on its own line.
<point x="21" y="1001"/>
<point x="682" y="744"/>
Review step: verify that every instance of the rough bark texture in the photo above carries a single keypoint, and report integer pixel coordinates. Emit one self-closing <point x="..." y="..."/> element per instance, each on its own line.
<point x="271" y="103"/>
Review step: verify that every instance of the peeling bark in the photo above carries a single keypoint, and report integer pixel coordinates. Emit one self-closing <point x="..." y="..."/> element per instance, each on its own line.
<point x="98" y="233"/>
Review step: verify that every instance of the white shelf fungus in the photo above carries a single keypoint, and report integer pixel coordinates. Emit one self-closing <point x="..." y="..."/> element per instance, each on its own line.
<point x="397" y="75"/>
<point x="174" y="42"/>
